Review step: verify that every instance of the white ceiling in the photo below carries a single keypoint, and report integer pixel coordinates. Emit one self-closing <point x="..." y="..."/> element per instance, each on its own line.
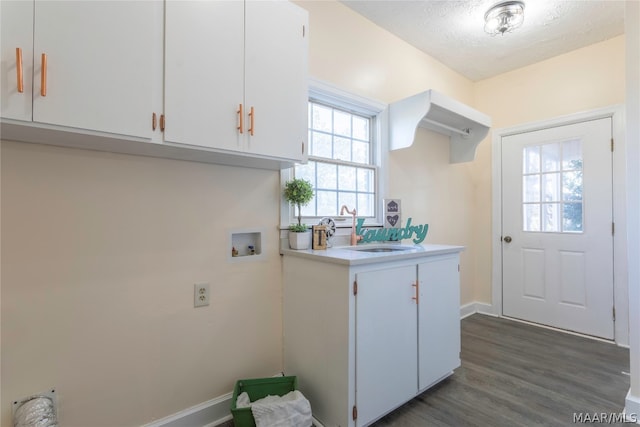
<point x="452" y="31"/>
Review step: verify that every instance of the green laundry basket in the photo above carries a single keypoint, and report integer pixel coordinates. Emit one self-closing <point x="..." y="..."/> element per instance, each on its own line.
<point x="257" y="388"/>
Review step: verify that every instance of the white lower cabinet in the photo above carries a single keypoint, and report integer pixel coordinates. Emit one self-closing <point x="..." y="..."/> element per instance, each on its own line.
<point x="386" y="331"/>
<point x="365" y="339"/>
<point x="438" y="319"/>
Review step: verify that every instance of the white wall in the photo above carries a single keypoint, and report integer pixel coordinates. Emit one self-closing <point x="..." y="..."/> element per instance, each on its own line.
<point x="99" y="256"/>
<point x="632" y="30"/>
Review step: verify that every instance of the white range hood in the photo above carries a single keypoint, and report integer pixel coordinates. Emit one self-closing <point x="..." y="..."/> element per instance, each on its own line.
<point x="440" y="113"/>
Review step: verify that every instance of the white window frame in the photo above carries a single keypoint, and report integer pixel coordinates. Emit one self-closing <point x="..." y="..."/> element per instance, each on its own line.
<point x="329" y="94"/>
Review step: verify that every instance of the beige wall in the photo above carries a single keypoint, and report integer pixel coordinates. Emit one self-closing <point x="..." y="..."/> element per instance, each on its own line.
<point x="441" y="194"/>
<point x="100" y="251"/>
<point x="355" y="55"/>
<point x="99" y="256"/>
<point x="582" y="80"/>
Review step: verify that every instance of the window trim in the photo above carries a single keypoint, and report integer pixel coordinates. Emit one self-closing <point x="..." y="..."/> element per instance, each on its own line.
<point x="324" y="92"/>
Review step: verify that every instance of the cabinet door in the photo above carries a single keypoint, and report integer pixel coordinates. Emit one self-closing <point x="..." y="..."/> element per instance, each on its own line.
<point x="386" y="341"/>
<point x="16" y="32"/>
<point x="99" y="65"/>
<point x="276" y="78"/>
<point x="204" y="73"/>
<point x="439" y="319"/>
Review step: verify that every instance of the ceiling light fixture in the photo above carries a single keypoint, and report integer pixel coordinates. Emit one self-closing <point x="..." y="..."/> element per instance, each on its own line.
<point x="504" y="17"/>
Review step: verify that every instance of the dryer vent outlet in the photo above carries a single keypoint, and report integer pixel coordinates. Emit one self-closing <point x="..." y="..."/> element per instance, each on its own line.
<point x="38" y="410"/>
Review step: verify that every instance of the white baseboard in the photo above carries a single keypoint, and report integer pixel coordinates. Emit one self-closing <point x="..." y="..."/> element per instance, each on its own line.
<point x="476" y="307"/>
<point x="632" y="408"/>
<point x="487" y="309"/>
<point x="211" y="413"/>
<point x="467" y="310"/>
<point x="206" y="414"/>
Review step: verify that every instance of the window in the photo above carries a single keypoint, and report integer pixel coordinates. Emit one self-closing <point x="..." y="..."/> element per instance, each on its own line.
<point x="552" y="187"/>
<point x="347" y="156"/>
<point x="341" y="164"/>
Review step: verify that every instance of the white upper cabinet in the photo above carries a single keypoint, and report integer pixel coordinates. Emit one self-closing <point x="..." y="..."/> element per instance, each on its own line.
<point x="204" y="62"/>
<point x="236" y="76"/>
<point x="91" y="64"/>
<point x="276" y="71"/>
<point x="16" y="41"/>
<point x="216" y="81"/>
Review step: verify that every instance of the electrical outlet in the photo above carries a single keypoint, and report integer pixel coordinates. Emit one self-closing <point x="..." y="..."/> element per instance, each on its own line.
<point x="200" y="294"/>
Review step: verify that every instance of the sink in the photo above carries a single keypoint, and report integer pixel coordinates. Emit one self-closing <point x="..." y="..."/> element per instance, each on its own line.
<point x="381" y="248"/>
<point x="378" y="249"/>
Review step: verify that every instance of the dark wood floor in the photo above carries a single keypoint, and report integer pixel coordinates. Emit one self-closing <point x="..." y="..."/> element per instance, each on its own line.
<point x="514" y="374"/>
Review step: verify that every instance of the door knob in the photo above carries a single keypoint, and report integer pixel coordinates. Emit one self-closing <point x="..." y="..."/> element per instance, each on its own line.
<point x="507" y="239"/>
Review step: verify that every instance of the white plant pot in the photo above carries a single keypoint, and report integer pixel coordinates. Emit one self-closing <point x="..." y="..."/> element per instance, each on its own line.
<point x="300" y="240"/>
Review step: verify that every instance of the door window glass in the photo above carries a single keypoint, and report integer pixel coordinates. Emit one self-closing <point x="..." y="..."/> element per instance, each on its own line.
<point x="552" y="187"/>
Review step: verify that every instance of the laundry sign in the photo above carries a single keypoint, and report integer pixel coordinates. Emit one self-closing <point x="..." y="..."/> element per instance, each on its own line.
<point x="389" y="234"/>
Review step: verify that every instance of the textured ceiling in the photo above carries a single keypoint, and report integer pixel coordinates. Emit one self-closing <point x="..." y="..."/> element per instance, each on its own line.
<point x="453" y="31"/>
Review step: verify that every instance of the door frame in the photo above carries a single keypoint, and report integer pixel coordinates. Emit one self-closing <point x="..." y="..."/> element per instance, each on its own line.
<point x="620" y="276"/>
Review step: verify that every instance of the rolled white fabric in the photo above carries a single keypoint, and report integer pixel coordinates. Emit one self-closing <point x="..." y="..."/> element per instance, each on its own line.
<point x="243" y="400"/>
<point x="36" y="412"/>
<point x="290" y="410"/>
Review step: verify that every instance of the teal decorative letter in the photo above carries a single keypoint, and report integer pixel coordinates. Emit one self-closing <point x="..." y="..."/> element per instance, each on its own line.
<point x="388" y="234"/>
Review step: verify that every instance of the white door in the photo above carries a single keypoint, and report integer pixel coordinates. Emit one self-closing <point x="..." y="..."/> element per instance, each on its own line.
<point x="99" y="65"/>
<point x="16" y="45"/>
<point x="276" y="78"/>
<point x="386" y="341"/>
<point x="204" y="73"/>
<point x="557" y="250"/>
<point x="438" y="319"/>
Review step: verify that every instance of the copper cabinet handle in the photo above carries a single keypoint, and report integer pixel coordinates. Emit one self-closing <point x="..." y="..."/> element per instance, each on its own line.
<point x="19" y="70"/>
<point x="153" y="121"/>
<point x="417" y="297"/>
<point x="162" y="122"/>
<point x="43" y="76"/>
<point x="251" y="115"/>
<point x="241" y="116"/>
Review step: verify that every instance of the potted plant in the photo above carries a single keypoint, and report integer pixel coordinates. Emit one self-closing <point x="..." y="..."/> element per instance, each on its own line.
<point x="298" y="192"/>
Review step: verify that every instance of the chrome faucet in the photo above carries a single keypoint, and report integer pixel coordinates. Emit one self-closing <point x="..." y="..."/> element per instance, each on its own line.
<point x="354" y="238"/>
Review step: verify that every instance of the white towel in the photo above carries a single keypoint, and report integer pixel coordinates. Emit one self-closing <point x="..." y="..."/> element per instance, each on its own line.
<point x="290" y="410"/>
<point x="243" y="400"/>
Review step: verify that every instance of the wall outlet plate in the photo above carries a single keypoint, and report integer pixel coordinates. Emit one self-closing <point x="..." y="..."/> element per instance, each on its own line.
<point x="200" y="294"/>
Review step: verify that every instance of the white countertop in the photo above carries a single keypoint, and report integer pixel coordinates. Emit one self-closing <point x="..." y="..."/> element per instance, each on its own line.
<point x="347" y="256"/>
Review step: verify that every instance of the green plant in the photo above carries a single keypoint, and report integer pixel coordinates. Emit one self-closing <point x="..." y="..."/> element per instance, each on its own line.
<point x="298" y="228"/>
<point x="298" y="192"/>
